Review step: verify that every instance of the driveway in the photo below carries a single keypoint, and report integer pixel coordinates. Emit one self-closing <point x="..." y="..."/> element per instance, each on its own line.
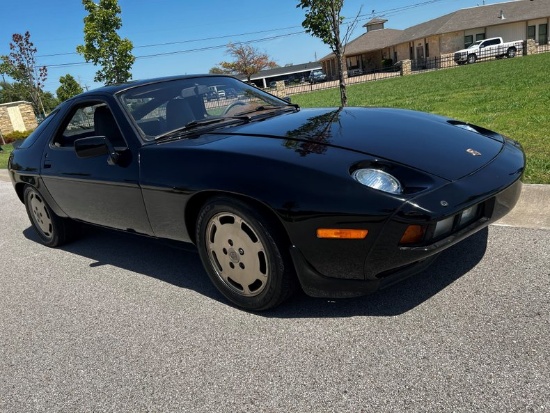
<point x="115" y="323"/>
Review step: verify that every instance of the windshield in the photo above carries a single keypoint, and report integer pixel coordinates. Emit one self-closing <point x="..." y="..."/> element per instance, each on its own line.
<point x="170" y="105"/>
<point x="475" y="44"/>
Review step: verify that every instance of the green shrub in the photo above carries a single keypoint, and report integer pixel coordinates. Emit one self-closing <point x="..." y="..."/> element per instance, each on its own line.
<point x="16" y="135"/>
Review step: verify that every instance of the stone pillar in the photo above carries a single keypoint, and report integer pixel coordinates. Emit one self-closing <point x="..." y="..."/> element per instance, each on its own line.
<point x="529" y="47"/>
<point x="405" y="67"/>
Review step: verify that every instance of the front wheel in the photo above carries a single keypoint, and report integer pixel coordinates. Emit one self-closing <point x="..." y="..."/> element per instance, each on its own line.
<point x="243" y="254"/>
<point x="472" y="59"/>
<point x="52" y="230"/>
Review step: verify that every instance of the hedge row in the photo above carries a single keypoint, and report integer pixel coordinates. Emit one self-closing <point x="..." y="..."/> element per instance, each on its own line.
<point x="16" y="135"/>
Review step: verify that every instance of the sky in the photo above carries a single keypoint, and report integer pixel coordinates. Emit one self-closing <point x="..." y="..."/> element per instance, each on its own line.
<point x="173" y="37"/>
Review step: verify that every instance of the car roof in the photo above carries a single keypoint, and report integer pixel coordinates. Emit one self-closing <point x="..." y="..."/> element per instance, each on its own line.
<point x="113" y="89"/>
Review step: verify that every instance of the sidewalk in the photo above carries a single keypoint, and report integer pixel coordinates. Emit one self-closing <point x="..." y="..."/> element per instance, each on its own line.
<point x="531" y="211"/>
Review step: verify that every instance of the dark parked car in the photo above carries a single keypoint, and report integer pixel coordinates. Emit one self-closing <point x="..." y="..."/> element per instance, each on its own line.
<point x="337" y="201"/>
<point x="317" y="76"/>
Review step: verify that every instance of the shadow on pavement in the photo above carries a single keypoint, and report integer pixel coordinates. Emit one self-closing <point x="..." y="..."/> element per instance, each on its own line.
<point x="180" y="265"/>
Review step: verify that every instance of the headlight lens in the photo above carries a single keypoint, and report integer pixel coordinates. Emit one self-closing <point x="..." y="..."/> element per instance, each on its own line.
<point x="377" y="179"/>
<point x="466" y="127"/>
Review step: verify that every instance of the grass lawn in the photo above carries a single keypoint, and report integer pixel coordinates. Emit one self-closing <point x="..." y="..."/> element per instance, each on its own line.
<point x="510" y="96"/>
<point x="4" y="155"/>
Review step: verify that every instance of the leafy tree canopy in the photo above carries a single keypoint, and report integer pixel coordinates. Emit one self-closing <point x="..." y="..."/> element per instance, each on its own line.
<point x="13" y="92"/>
<point x="68" y="88"/>
<point x="247" y="60"/>
<point x="20" y="65"/>
<point x="323" y="20"/>
<point x="102" y="44"/>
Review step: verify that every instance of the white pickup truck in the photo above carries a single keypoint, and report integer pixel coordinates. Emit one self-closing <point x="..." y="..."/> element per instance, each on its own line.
<point x="493" y="47"/>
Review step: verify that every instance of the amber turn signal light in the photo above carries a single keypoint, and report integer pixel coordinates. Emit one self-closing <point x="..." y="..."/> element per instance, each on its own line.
<point x="414" y="234"/>
<point x="339" y="233"/>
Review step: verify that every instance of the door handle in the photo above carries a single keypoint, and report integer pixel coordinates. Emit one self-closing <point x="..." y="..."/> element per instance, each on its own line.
<point x="47" y="164"/>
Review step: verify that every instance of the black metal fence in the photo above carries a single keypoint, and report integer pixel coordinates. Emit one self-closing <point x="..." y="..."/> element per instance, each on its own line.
<point x="416" y="66"/>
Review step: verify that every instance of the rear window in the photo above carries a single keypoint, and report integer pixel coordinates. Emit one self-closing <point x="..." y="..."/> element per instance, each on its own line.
<point x="29" y="140"/>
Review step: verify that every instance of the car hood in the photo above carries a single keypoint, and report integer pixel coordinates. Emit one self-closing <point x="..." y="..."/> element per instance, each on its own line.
<point x="424" y="141"/>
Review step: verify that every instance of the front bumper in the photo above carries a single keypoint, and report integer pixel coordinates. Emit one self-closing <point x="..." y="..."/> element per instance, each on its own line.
<point x="343" y="268"/>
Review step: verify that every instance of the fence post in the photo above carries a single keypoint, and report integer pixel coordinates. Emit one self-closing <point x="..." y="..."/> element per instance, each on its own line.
<point x="405" y="67"/>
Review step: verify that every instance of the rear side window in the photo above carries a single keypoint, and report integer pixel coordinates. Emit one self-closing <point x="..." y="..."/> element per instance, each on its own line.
<point x="29" y="140"/>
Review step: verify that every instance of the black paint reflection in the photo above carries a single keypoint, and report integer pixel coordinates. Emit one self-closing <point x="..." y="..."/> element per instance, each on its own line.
<point x="314" y="135"/>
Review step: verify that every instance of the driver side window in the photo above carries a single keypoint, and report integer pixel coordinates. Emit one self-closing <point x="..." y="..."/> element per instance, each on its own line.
<point x="95" y="119"/>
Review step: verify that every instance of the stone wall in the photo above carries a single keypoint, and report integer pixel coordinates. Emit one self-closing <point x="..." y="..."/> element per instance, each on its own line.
<point x="17" y="116"/>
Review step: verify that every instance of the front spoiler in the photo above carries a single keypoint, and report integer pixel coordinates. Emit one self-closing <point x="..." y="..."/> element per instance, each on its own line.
<point x="315" y="284"/>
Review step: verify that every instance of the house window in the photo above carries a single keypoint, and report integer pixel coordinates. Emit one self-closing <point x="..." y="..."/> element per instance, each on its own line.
<point x="468" y="40"/>
<point x="427" y="47"/>
<point x="531" y="32"/>
<point x="480" y="36"/>
<point x="543" y="33"/>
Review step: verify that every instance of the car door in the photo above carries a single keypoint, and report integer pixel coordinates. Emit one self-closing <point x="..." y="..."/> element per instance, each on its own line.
<point x="95" y="189"/>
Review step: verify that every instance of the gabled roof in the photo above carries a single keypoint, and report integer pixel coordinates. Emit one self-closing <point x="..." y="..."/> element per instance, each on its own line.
<point x="373" y="40"/>
<point x="464" y="19"/>
<point x="481" y="16"/>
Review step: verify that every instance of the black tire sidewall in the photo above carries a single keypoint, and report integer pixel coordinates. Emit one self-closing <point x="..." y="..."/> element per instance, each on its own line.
<point x="279" y="271"/>
<point x="58" y="236"/>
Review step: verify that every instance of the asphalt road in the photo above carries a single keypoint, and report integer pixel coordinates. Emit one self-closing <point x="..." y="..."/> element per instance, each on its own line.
<point x="114" y="323"/>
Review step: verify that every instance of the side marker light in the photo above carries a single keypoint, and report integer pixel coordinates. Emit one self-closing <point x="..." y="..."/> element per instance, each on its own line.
<point x="339" y="233"/>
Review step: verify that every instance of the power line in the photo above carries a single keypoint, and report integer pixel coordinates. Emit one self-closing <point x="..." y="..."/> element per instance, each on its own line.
<point x="200" y="49"/>
<point x="361" y="17"/>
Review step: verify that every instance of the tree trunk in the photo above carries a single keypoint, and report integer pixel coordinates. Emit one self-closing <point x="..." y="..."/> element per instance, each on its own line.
<point x="341" y="76"/>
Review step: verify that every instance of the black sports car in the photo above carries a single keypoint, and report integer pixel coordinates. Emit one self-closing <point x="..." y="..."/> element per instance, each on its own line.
<point x="338" y="201"/>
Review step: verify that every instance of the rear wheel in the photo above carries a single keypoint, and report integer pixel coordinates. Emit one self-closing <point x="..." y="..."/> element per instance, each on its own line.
<point x="243" y="254"/>
<point x="52" y="230"/>
<point x="511" y="52"/>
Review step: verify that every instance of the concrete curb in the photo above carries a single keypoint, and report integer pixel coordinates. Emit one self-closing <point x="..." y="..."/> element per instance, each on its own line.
<point x="531" y="211"/>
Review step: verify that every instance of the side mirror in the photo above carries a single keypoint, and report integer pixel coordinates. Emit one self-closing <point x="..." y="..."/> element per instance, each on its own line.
<point x="287" y="99"/>
<point x="94" y="146"/>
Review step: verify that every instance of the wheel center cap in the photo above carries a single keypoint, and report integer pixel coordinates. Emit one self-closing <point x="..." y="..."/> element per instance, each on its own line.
<point x="234" y="256"/>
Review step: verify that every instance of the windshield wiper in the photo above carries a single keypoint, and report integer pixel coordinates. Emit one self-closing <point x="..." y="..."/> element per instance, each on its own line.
<point x="194" y="124"/>
<point x="263" y="108"/>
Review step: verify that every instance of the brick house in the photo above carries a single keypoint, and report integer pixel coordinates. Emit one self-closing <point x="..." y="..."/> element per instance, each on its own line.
<point x="513" y="20"/>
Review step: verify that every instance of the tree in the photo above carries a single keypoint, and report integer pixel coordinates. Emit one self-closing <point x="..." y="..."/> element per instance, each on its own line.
<point x="12" y="92"/>
<point x="50" y="101"/>
<point x="68" y="88"/>
<point x="323" y="20"/>
<point x="217" y="71"/>
<point x="102" y="44"/>
<point x="248" y="60"/>
<point x="21" y="66"/>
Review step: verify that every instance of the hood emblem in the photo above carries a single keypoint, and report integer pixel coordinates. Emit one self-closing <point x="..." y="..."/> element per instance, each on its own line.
<point x="473" y="152"/>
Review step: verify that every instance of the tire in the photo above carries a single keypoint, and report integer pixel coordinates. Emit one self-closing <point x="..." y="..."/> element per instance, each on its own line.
<point x="244" y="255"/>
<point x="52" y="230"/>
<point x="472" y="59"/>
<point x="511" y="53"/>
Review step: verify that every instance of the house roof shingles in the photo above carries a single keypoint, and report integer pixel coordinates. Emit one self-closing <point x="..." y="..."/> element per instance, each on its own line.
<point x="481" y="16"/>
<point x="464" y="19"/>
